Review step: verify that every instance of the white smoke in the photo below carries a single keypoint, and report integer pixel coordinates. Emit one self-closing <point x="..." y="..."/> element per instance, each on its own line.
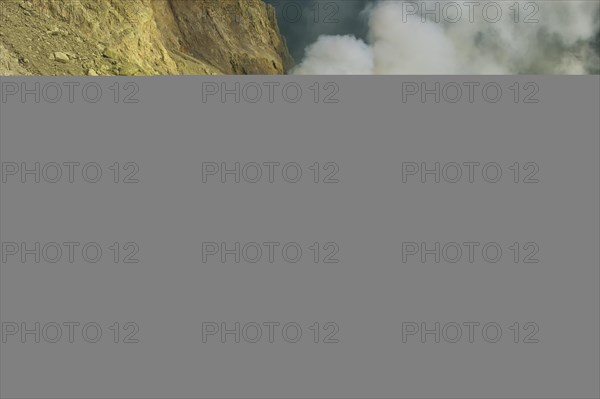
<point x="402" y="42"/>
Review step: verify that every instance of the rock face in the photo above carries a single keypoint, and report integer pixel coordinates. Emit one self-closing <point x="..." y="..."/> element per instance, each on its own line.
<point x="140" y="37"/>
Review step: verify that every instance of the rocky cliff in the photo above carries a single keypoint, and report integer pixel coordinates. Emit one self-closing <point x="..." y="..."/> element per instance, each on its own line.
<point x="140" y="37"/>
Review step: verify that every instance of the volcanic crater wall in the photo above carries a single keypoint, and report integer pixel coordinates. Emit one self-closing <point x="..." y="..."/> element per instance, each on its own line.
<point x="140" y="37"/>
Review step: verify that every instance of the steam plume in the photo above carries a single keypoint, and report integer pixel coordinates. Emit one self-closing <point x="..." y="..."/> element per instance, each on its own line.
<point x="401" y="40"/>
